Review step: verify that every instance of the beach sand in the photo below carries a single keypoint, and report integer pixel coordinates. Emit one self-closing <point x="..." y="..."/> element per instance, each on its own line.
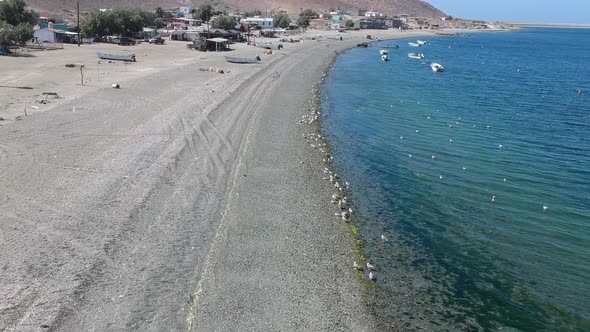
<point x="186" y="200"/>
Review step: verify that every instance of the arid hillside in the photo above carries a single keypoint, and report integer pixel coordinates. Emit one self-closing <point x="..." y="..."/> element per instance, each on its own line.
<point x="410" y="7"/>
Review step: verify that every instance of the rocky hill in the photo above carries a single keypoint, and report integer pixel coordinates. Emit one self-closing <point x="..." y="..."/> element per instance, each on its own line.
<point x="390" y="7"/>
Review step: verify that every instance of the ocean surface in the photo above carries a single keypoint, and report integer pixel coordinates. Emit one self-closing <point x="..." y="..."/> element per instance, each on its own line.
<point x="478" y="178"/>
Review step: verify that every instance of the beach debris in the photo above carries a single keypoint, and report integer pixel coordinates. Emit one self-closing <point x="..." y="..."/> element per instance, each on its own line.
<point x="213" y="69"/>
<point x="545" y="208"/>
<point x="70" y="65"/>
<point x="116" y="86"/>
<point x="370" y="266"/>
<point x="372" y="276"/>
<point x="345" y="216"/>
<point x="493" y="198"/>
<point x="356" y="266"/>
<point x="383" y="238"/>
<point x="35" y="107"/>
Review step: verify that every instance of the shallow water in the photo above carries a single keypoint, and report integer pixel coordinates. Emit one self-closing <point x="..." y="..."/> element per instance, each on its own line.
<point x="426" y="152"/>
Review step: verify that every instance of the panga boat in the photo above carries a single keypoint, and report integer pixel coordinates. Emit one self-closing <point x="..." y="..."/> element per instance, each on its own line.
<point x="119" y="57"/>
<point x="437" y="67"/>
<point x="418" y="56"/>
<point x="233" y="59"/>
<point x="421" y="42"/>
<point x="383" y="51"/>
<point x="414" y="44"/>
<point x="385" y="57"/>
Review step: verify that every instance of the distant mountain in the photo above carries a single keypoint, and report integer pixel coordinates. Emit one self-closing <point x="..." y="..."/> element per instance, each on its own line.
<point x="390" y="7"/>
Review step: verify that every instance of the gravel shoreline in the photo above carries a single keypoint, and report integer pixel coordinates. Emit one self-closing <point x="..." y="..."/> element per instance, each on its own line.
<point x="197" y="207"/>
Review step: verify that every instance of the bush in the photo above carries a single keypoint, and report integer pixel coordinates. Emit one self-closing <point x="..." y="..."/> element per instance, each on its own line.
<point x="223" y="22"/>
<point x="282" y="20"/>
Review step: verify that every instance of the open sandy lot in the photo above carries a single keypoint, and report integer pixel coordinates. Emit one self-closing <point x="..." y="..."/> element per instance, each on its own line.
<point x="186" y="200"/>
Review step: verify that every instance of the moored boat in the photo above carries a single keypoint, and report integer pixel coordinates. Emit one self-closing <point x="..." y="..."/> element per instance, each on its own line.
<point x="383" y="51"/>
<point x="413" y="44"/>
<point x="119" y="57"/>
<point x="418" y="56"/>
<point x="437" y="67"/>
<point x="234" y="59"/>
<point x="421" y="42"/>
<point x="385" y="57"/>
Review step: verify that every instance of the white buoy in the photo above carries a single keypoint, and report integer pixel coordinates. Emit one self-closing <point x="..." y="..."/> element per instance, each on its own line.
<point x="545" y="208"/>
<point x="371" y="276"/>
<point x="370" y="266"/>
<point x="116" y="86"/>
<point x="383" y="238"/>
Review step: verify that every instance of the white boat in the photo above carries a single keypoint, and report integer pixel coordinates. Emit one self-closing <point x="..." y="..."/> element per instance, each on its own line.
<point x="385" y="57"/>
<point x="437" y="67"/>
<point x="421" y="42"/>
<point x="413" y="44"/>
<point x="418" y="56"/>
<point x="383" y="51"/>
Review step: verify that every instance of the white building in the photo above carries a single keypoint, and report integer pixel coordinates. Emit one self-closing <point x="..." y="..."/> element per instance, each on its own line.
<point x="186" y="11"/>
<point x="49" y="35"/>
<point x="373" y="14"/>
<point x="263" y="22"/>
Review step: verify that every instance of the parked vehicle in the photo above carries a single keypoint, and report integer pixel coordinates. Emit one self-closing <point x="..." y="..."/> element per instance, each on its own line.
<point x="126" y="41"/>
<point x="156" y="40"/>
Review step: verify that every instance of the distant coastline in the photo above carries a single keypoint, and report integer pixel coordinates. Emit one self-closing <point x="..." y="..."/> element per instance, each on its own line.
<point x="551" y="25"/>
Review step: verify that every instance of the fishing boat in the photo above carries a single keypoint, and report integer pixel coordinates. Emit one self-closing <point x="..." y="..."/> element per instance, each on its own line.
<point x="233" y="59"/>
<point x="418" y="56"/>
<point x="384" y="57"/>
<point x="421" y="42"/>
<point x="437" y="67"/>
<point x="414" y="44"/>
<point x="383" y="51"/>
<point x="118" y="57"/>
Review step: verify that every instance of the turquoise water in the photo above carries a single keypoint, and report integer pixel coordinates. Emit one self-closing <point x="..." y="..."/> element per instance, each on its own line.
<point x="425" y="154"/>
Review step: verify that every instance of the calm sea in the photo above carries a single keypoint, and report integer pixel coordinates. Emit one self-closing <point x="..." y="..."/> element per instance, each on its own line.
<point x="479" y="178"/>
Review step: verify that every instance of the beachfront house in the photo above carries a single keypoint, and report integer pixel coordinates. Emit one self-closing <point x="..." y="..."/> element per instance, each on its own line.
<point x="186" y="12"/>
<point x="49" y="35"/>
<point x="373" y="14"/>
<point x="262" y="22"/>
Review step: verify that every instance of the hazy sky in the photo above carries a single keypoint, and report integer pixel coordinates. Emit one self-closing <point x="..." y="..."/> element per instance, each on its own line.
<point x="538" y="11"/>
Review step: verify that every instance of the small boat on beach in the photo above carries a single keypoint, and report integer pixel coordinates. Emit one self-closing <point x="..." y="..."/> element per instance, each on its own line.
<point x="234" y="59"/>
<point x="362" y="45"/>
<point x="118" y="57"/>
<point x="437" y="67"/>
<point x="418" y="56"/>
<point x="383" y="51"/>
<point x="384" y="57"/>
<point x="414" y="44"/>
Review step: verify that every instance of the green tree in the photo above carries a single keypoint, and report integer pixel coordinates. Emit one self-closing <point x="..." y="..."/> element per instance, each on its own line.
<point x="255" y="12"/>
<point x="14" y="12"/>
<point x="309" y="13"/>
<point x="282" y="20"/>
<point x="23" y="33"/>
<point x="305" y="17"/>
<point x="223" y="22"/>
<point x="204" y="13"/>
<point x="6" y="34"/>
<point x="350" y="24"/>
<point x="159" y="12"/>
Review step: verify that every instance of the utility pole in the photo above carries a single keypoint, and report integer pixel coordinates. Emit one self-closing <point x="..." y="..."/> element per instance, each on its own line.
<point x="78" y="28"/>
